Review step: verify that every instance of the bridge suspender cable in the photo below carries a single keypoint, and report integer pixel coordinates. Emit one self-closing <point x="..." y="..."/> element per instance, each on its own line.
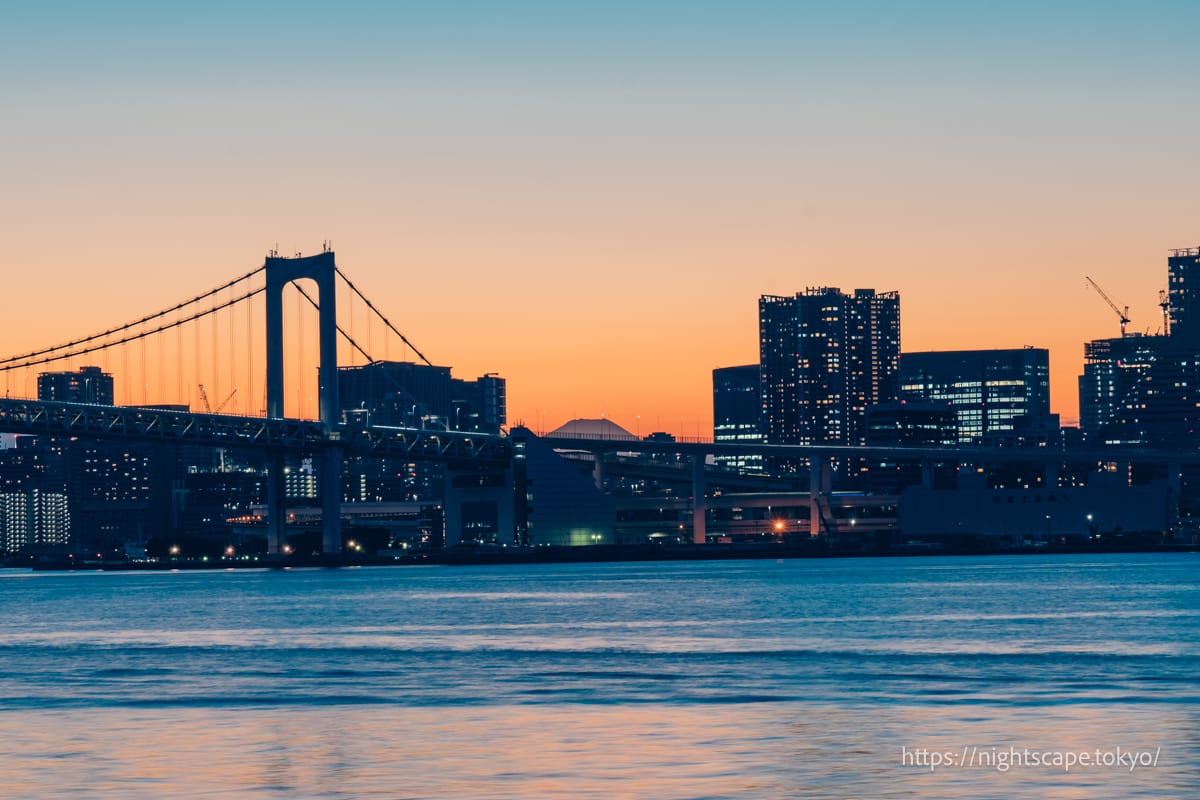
<point x="345" y="335"/>
<point x="6" y="365"/>
<point x="120" y="329"/>
<point x="379" y="314"/>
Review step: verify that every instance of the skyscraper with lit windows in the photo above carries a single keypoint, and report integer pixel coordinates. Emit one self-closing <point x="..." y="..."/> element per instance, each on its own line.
<point x="824" y="358"/>
<point x="993" y="391"/>
<point x="736" y="412"/>
<point x="1183" y="292"/>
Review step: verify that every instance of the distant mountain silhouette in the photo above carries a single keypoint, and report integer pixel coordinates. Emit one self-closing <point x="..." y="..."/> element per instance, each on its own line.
<point x="598" y="428"/>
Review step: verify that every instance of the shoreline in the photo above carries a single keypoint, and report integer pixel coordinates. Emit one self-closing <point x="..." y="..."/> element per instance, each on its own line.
<point x="490" y="555"/>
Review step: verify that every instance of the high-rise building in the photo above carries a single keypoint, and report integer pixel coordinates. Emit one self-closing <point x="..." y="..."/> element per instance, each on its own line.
<point x="736" y="410"/>
<point x="1143" y="389"/>
<point x="991" y="390"/>
<point x="1183" y="291"/>
<point x="1163" y="407"/>
<point x="88" y="385"/>
<point x="1112" y="369"/>
<point x="824" y="358"/>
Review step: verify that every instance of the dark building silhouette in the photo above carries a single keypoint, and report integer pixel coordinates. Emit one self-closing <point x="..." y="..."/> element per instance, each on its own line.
<point x="88" y="385"/>
<point x="913" y="423"/>
<point x="117" y="492"/>
<point x="737" y="408"/>
<point x="989" y="389"/>
<point x="825" y="357"/>
<point x="554" y="502"/>
<point x="212" y="498"/>
<point x="916" y="424"/>
<point x="411" y="395"/>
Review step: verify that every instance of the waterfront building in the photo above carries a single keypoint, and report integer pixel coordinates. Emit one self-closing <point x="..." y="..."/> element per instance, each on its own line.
<point x="975" y="514"/>
<point x="737" y="409"/>
<point x="989" y="389"/>
<point x="33" y="519"/>
<point x="554" y="501"/>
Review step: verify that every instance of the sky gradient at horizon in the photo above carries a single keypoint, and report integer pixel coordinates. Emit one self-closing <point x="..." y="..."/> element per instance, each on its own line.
<point x="589" y="199"/>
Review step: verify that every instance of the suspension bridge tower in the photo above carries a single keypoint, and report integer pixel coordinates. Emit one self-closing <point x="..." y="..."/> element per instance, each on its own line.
<point x="322" y="270"/>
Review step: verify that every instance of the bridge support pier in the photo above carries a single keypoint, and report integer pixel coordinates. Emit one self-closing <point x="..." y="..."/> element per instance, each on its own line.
<point x="699" y="501"/>
<point x="331" y="500"/>
<point x="276" y="504"/>
<point x="819" y="481"/>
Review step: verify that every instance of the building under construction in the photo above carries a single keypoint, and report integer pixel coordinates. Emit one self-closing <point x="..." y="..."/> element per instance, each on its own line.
<point x="1145" y="389"/>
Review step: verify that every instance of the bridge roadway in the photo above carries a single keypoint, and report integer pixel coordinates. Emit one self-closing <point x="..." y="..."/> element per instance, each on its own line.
<point x="151" y="424"/>
<point x="820" y="458"/>
<point x="967" y="454"/>
<point x="169" y="424"/>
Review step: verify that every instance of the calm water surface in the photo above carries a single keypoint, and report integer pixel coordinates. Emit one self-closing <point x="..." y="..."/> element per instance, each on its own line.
<point x="736" y="679"/>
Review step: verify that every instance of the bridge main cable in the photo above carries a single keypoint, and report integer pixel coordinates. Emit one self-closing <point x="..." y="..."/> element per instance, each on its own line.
<point x="127" y="326"/>
<point x="5" y="366"/>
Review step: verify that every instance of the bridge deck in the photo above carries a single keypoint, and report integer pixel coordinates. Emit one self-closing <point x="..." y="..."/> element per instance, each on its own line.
<point x="151" y="424"/>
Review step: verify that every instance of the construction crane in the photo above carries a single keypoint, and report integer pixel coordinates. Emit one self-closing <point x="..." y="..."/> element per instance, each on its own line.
<point x="1164" y="302"/>
<point x="1124" y="315"/>
<point x="224" y="402"/>
<point x="208" y="409"/>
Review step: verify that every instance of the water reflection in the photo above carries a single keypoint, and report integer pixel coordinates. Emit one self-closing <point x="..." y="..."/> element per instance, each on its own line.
<point x="585" y="751"/>
<point x="711" y="680"/>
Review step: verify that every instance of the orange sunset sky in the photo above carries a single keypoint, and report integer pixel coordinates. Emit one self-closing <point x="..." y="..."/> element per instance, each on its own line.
<point x="589" y="199"/>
